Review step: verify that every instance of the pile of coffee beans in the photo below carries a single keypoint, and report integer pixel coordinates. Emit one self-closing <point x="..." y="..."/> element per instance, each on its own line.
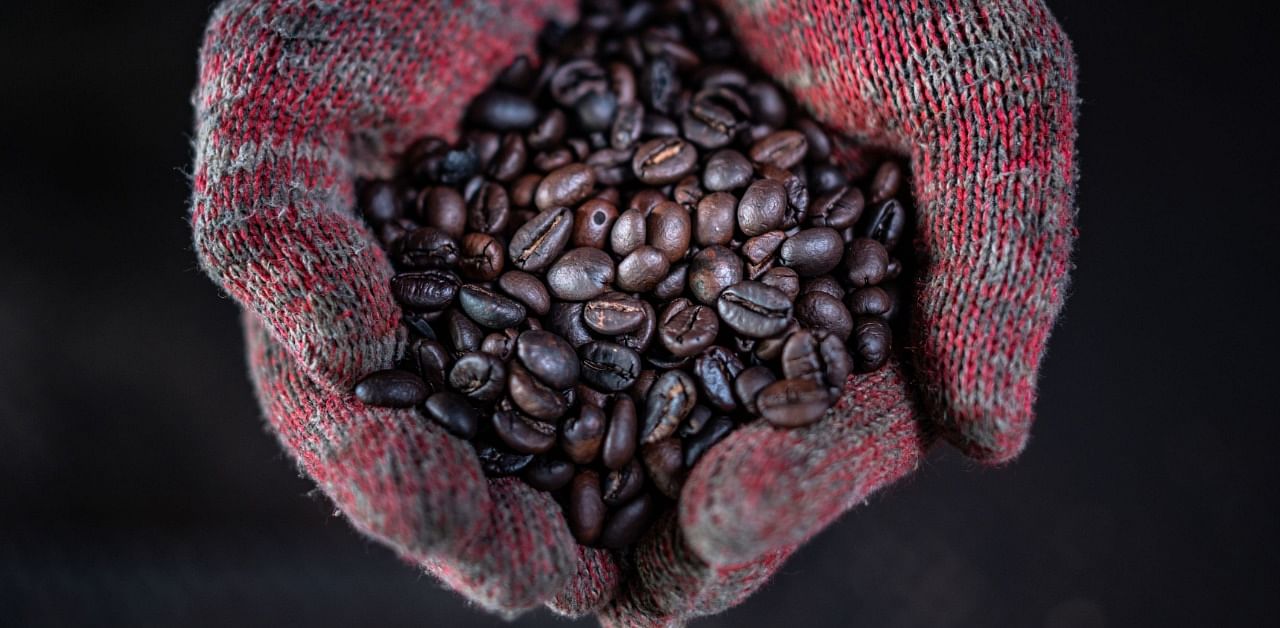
<point x="636" y="246"/>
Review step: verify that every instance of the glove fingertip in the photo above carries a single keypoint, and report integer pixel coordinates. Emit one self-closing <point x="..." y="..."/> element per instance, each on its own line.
<point x="592" y="585"/>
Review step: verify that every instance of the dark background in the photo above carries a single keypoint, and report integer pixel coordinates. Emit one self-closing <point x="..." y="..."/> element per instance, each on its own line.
<point x="138" y="486"/>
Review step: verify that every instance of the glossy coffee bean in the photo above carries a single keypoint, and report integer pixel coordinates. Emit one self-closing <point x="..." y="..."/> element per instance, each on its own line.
<point x="621" y="438"/>
<point x="767" y="103"/>
<point x="840" y="209"/>
<point x="667" y="404"/>
<point x="580" y="274"/>
<point x="481" y="257"/>
<point x="870" y="301"/>
<point x="464" y="334"/>
<point x="664" y="463"/>
<point x="575" y="79"/>
<point x="537" y="243"/>
<point x="527" y="289"/>
<point x="427" y="290"/>
<point x="670" y="230"/>
<point x="498" y="462"/>
<point x="391" y="388"/>
<point x="769" y="349"/>
<point x="424" y="248"/>
<point x="627" y="126"/>
<point x="749" y="384"/>
<point x="818" y="141"/>
<point x="784" y="279"/>
<point x="452" y="412"/>
<point x="613" y="313"/>
<point x="548" y="357"/>
<point x="565" y="319"/>
<point x="521" y="193"/>
<point x="489" y="308"/>
<point x="825" y="178"/>
<point x="715" y="218"/>
<point x="608" y="366"/>
<point x="797" y="209"/>
<point x="686" y="328"/>
<point x="480" y="376"/>
<point x="819" y="310"/>
<point x="532" y="396"/>
<point x="565" y="186"/>
<point x="548" y="474"/>
<point x="781" y="149"/>
<point x="824" y="283"/>
<point x="628" y="233"/>
<point x="886" y="182"/>
<point x="621" y="485"/>
<point x="871" y="343"/>
<point x="522" y="433"/>
<point x="443" y="208"/>
<point x="586" y="507"/>
<point x="488" y="209"/>
<point x="582" y="436"/>
<point x="628" y="522"/>
<point x="754" y="309"/>
<point x="659" y="86"/>
<point x="688" y="192"/>
<point x="884" y="223"/>
<point x="595" y="111"/>
<point x="762" y="207"/>
<point x="867" y="262"/>
<point x="714" y="432"/>
<point x="711" y="271"/>
<point x="640" y="339"/>
<point x="432" y="361"/>
<point x="502" y="110"/>
<point x="819" y="357"/>
<point x="793" y="402"/>
<point x="664" y="160"/>
<point x="380" y="202"/>
<point x="716" y="369"/>
<point x="500" y="344"/>
<point x="812" y="252"/>
<point x="592" y="222"/>
<point x="698" y="418"/>
<point x="726" y="170"/>
<point x="513" y="155"/>
<point x="642" y="269"/>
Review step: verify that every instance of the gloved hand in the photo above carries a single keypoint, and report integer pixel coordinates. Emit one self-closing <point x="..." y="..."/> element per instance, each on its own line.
<point x="296" y="99"/>
<point x="981" y="97"/>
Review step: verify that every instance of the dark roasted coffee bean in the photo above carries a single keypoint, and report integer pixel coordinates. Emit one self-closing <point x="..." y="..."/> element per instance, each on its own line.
<point x="549" y="130"/>
<point x="546" y="161"/>
<point x="626" y="523"/>
<point x="577" y="78"/>
<point x="673" y="284"/>
<point x="819" y="357"/>
<point x="869" y="301"/>
<point x="623" y="484"/>
<point x="708" y="122"/>
<point x="452" y="412"/>
<point x="867" y="262"/>
<point x="422" y="159"/>
<point x="548" y="474"/>
<point x="711" y="271"/>
<point x="726" y="170"/>
<point x="592" y="222"/>
<point x="660" y="85"/>
<point x="582" y="436"/>
<point x="586" y="507"/>
<point x="501" y="345"/>
<point x="825" y="283"/>
<point x="885" y="184"/>
<point x="818" y="141"/>
<point x="716" y="370"/>
<point x="642" y="269"/>
<point x="697" y="419"/>
<point x="581" y="274"/>
<point x="489" y="308"/>
<point x="664" y="160"/>
<point x="656" y="125"/>
<point x="428" y="290"/>
<point x="646" y="199"/>
<point x="526" y="289"/>
<point x="769" y="349"/>
<point x="464" y="334"/>
<point x="539" y="242"/>
<point x="793" y="402"/>
<point x="754" y="309"/>
<point x="667" y="404"/>
<point x="621" y="438"/>
<point x="522" y="191"/>
<point x="566" y="319"/>
<point x="872" y="339"/>
<point x="481" y="258"/>
<point x="688" y="192"/>
<point x="489" y="209"/>
<point x="686" y="328"/>
<point x="641" y="337"/>
<point x="510" y="161"/>
<point x="715" y="218"/>
<point x="622" y="79"/>
<point x="522" y="433"/>
<point x="391" y="388"/>
<point x="825" y="178"/>
<point x="502" y="111"/>
<point x="611" y="166"/>
<point x="797" y="194"/>
<point x="479" y="376"/>
<point x="812" y="252"/>
<point x="767" y="103"/>
<point x="380" y="202"/>
<point x="749" y="384"/>
<point x="664" y="463"/>
<point x="596" y="110"/>
<point x="712" y="433"/>
<point x="549" y="357"/>
<point x="628" y="125"/>
<point x="496" y="462"/>
<point x="784" y="279"/>
<point x="532" y="396"/>
<point x="781" y="149"/>
<point x="485" y="145"/>
<point x="608" y="366"/>
<point x="884" y="223"/>
<point x="565" y="186"/>
<point x="427" y="247"/>
<point x="628" y="232"/>
<point x="613" y="313"/>
<point x="458" y="165"/>
<point x="670" y="230"/>
<point x="432" y="361"/>
<point x="390" y="234"/>
<point x="820" y="310"/>
<point x="762" y="207"/>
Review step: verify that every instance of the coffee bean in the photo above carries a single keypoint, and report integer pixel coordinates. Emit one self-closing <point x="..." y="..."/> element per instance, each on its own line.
<point x="428" y="290"/>
<point x="586" y="507"/>
<point x="660" y="85"/>
<point x="819" y="357"/>
<point x="522" y="433"/>
<point x="712" y="270"/>
<point x="432" y="361"/>
<point x="825" y="283"/>
<point x="582" y="436"/>
<point x="621" y="485"/>
<point x="608" y="366"/>
<point x="379" y="202"/>
<point x="391" y="388"/>
<point x="870" y="301"/>
<point x="620" y="439"/>
<point x="640" y="339"/>
<point x="527" y="289"/>
<point x="548" y="131"/>
<point x="427" y="247"/>
<point x="613" y="313"/>
<point x="812" y="252"/>
<point x="595" y="111"/>
<point x="532" y="396"/>
<point x="549" y="357"/>
<point x="754" y="309"/>
<point x="497" y="462"/>
<point x="664" y="160"/>
<point x="667" y="404"/>
<point x="642" y="269"/>
<point x="443" y="208"/>
<point x="782" y="149"/>
<point x="716" y="369"/>
<point x="784" y="279"/>
<point x="565" y="319"/>
<point x="793" y="402"/>
<point x="726" y="170"/>
<point x="457" y="165"/>
<point x="522" y="191"/>
<point x="592" y="222"/>
<point x="502" y="111"/>
<point x="673" y="284"/>
<point x="686" y="328"/>
<point x="481" y="258"/>
<point x="867" y="262"/>
<point x="581" y="274"/>
<point x="628" y="522"/>
<point x="510" y="161"/>
<point x="762" y="207"/>
<point x="501" y="345"/>
<point x="749" y="384"/>
<point x="664" y="462"/>
<point x="480" y="376"/>
<point x="715" y="218"/>
<point x="489" y="209"/>
<point x="565" y="186"/>
<point x="825" y="178"/>
<point x="697" y="419"/>
<point x="628" y="125"/>
<point x="575" y="79"/>
<point x="712" y="117"/>
<point x="699" y="444"/>
<point x="657" y="125"/>
<point x="820" y="311"/>
<point x="537" y="243"/>
<point x="767" y="103"/>
<point x="885" y="223"/>
<point x="871" y="342"/>
<point x="886" y="182"/>
<point x="464" y="334"/>
<point x="452" y="412"/>
<point x="628" y="233"/>
<point x="797" y="209"/>
<point x="489" y="308"/>
<point x="548" y="474"/>
<point x="670" y="229"/>
<point x="818" y="141"/>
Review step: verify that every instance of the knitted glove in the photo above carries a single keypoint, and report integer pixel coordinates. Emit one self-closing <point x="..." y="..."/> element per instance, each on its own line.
<point x="981" y="97"/>
<point x="295" y="100"/>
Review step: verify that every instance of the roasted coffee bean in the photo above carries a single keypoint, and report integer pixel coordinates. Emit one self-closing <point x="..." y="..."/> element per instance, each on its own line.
<point x="502" y="111"/>
<point x="781" y="149"/>
<point x="480" y="376"/>
<point x="642" y="269"/>
<point x="667" y="404"/>
<point x="622" y="79"/>
<point x="432" y="361"/>
<point x="712" y="433"/>
<point x="819" y="357"/>
<point x="820" y="311"/>
<point x="595" y="111"/>
<point x="522" y="433"/>
<point x="812" y="252"/>
<point x="767" y="103"/>
<point x="428" y="290"/>
<point x="664" y="160"/>
<point x="464" y="333"/>
<point x="867" y="262"/>
<point x="749" y="384"/>
<point x="485" y="145"/>
<point x="611" y="166"/>
<point x="501" y="345"/>
<point x="565" y="186"/>
<point x="871" y="342"/>
<point x="640" y="339"/>
<point x="769" y="349"/>
<point x="426" y="247"/>
<point x="698" y="418"/>
<point x="762" y="207"/>
<point x="673" y="284"/>
<point x="715" y="218"/>
<point x="825" y="283"/>
<point x="793" y="402"/>
<point x="452" y="412"/>
<point x="586" y="507"/>
<point x="784" y="279"/>
<point x="537" y="243"/>
<point x="657" y="125"/>
<point x="726" y="170"/>
<point x="708" y="122"/>
<point x="510" y="160"/>
<point x="565" y="319"/>
<point x="575" y="79"/>
<point x="625" y="524"/>
<point x="754" y="309"/>
<point x="711" y="271"/>
<point x="581" y="274"/>
<point x="548" y="474"/>
<point x="481" y="258"/>
<point x="621" y="438"/>
<point x="592" y="222"/>
<point x="664" y="463"/>
<point x="646" y="199"/>
<point x="870" y="301"/>
<point x="457" y="165"/>
<point x="549" y="357"/>
<point x="489" y="308"/>
<point x="670" y="229"/>
<point x="686" y="328"/>
<point x="379" y="202"/>
<point x="628" y="125"/>
<point x="884" y="223"/>
<point x="825" y="178"/>
<point x="623" y="484"/>
<point x="660" y="85"/>
<point x="886" y="182"/>
<point x="489" y="209"/>
<point x="422" y="159"/>
<point x="548" y="131"/>
<point x="608" y="366"/>
<point x="628" y="233"/>
<point x="582" y="436"/>
<point x="532" y="396"/>
<point x="716" y="369"/>
<point x="526" y="289"/>
<point x="389" y="234"/>
<point x="818" y="141"/>
<point x="496" y="462"/>
<point x="840" y="209"/>
<point x="613" y="313"/>
<point x="522" y="192"/>
<point x="391" y="388"/>
<point x="797" y="194"/>
<point x="688" y="192"/>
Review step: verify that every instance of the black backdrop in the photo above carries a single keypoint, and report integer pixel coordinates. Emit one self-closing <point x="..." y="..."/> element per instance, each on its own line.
<point x="138" y="487"/>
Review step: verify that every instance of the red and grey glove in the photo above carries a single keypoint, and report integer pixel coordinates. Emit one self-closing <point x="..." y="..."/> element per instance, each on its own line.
<point x="298" y="98"/>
